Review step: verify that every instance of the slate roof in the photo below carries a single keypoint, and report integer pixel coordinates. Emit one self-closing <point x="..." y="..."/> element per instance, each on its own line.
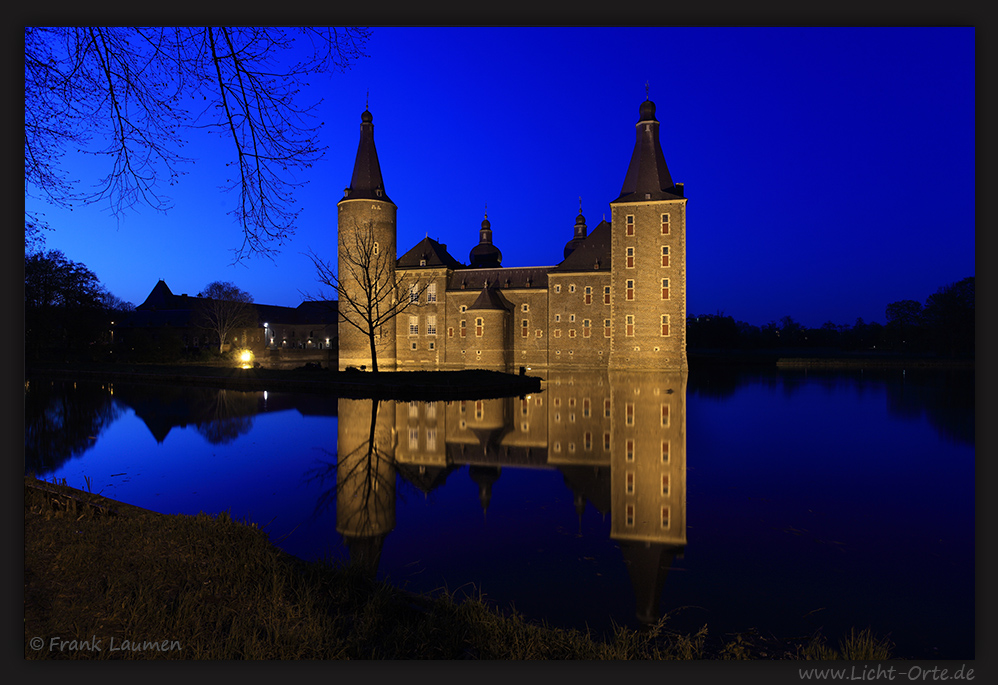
<point x="366" y="182"/>
<point x="501" y="277"/>
<point x="491" y="298"/>
<point x="591" y="253"/>
<point x="163" y="308"/>
<point x="648" y="175"/>
<point x="435" y="254"/>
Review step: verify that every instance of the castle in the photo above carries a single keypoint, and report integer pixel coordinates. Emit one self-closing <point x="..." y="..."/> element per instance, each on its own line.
<point x="617" y="300"/>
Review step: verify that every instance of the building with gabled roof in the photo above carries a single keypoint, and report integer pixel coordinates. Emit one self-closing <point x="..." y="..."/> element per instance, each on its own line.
<point x="311" y="326"/>
<point x="616" y="300"/>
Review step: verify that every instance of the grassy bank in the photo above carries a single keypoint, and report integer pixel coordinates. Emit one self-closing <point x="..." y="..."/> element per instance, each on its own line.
<point x="389" y="385"/>
<point x="103" y="580"/>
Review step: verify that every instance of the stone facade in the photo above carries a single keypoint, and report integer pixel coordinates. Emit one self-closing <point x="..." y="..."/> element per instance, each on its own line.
<point x="617" y="299"/>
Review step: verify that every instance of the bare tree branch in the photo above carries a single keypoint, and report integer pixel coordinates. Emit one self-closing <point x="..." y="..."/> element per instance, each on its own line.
<point x="371" y="292"/>
<point x="224" y="308"/>
<point x="124" y="94"/>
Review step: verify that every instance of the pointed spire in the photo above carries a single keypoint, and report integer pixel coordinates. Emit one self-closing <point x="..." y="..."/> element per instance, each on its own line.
<point x="366" y="182"/>
<point x="648" y="175"/>
<point x="579" y="235"/>
<point x="485" y="255"/>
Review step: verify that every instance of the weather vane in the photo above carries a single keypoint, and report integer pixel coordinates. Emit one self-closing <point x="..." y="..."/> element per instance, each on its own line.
<point x="367" y="99"/>
<point x="646" y="90"/>
<point x="580" y="204"/>
<point x="486" y="210"/>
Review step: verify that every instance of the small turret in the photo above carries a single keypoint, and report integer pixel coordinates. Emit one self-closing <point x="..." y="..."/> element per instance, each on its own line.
<point x="485" y="255"/>
<point x="579" y="235"/>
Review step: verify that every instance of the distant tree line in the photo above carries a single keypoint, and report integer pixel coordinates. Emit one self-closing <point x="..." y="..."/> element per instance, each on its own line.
<point x="942" y="326"/>
<point x="70" y="316"/>
<point x="67" y="311"/>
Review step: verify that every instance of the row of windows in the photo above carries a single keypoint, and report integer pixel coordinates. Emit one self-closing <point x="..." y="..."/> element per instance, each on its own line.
<point x="431" y="325"/>
<point x="587" y="293"/>
<point x="630" y="327"/>
<point x="629" y="224"/>
<point x="629" y="483"/>
<point x="629" y="289"/>
<point x="629" y="515"/>
<point x="431" y="292"/>
<point x="629" y="420"/>
<point x="629" y="253"/>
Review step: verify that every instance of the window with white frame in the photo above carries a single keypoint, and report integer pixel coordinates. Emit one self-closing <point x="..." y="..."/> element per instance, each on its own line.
<point x="431" y="324"/>
<point x="431" y="293"/>
<point x="413" y="325"/>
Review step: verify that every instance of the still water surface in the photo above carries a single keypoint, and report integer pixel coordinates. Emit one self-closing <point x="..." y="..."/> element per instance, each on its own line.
<point x="786" y="501"/>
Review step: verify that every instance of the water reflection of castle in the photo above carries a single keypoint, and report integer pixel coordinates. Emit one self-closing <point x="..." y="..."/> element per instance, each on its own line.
<point x="619" y="439"/>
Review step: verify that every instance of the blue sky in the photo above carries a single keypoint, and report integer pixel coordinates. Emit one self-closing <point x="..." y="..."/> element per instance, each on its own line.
<point x="829" y="171"/>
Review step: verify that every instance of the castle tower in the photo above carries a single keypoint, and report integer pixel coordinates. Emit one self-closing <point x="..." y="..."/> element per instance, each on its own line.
<point x="648" y="259"/>
<point x="485" y="255"/>
<point x="492" y="342"/>
<point x="579" y="234"/>
<point x="366" y="245"/>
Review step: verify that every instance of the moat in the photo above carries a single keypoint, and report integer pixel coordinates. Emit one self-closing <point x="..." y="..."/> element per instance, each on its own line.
<point x="788" y="501"/>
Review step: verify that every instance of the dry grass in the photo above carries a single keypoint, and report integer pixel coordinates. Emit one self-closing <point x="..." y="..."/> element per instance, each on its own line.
<point x="215" y="588"/>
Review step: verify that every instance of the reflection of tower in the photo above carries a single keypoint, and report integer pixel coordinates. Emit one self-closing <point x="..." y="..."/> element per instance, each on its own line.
<point x="366" y="244"/>
<point x="648" y="478"/>
<point x="365" y="478"/>
<point x="484" y="477"/>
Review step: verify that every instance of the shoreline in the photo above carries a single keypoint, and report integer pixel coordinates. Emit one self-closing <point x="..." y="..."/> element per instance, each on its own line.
<point x="210" y="587"/>
<point x="386" y="385"/>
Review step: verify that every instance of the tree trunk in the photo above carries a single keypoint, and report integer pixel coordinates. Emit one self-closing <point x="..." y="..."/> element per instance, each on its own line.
<point x="374" y="352"/>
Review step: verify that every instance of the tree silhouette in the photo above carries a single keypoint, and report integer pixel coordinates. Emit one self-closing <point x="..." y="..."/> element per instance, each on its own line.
<point x="949" y="318"/>
<point x="127" y="95"/>
<point x="224" y="308"/>
<point x="371" y="292"/>
<point x="64" y="303"/>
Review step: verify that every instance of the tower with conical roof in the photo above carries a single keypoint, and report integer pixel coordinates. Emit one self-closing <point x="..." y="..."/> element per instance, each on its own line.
<point x="366" y="225"/>
<point x="648" y="259"/>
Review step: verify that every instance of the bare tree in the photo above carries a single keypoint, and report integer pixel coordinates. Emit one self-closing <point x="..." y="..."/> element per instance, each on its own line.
<point x="131" y="94"/>
<point x="371" y="292"/>
<point x="224" y="308"/>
